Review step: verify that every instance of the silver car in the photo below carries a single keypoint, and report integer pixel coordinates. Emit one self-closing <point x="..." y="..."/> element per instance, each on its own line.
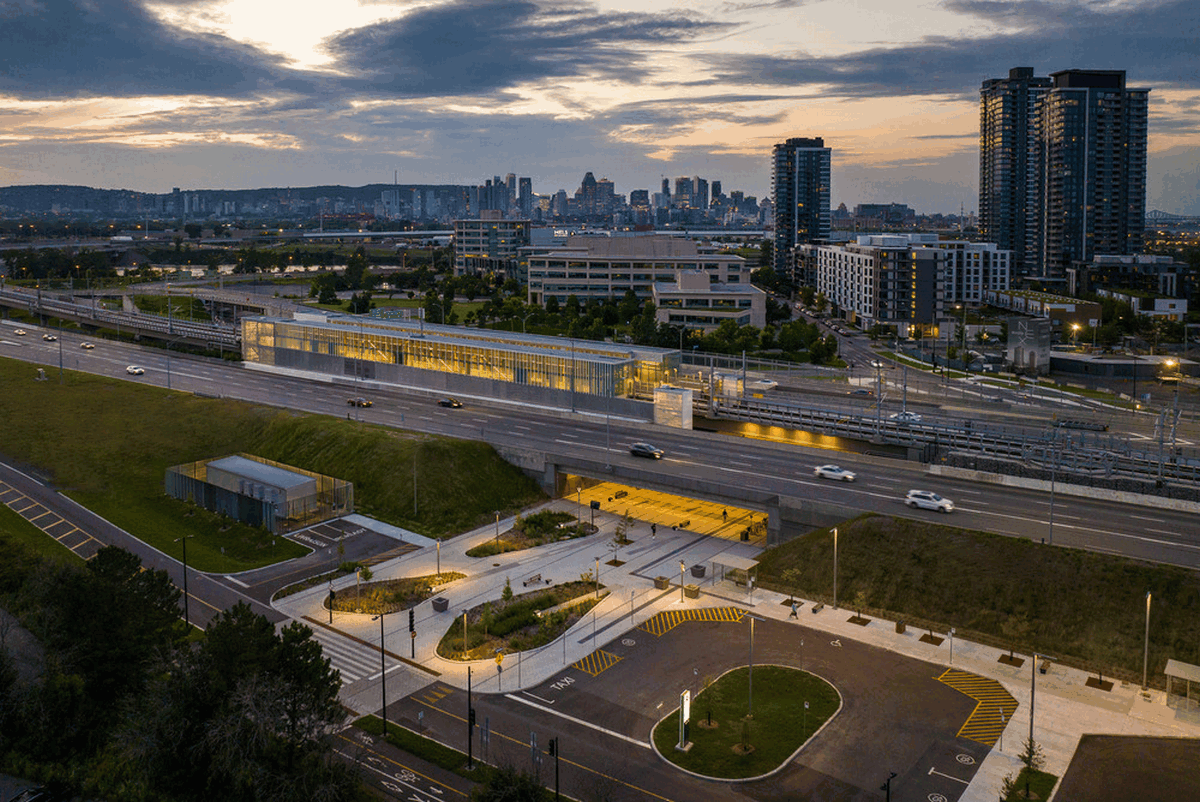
<point x="833" y="472"/>
<point x="928" y="500"/>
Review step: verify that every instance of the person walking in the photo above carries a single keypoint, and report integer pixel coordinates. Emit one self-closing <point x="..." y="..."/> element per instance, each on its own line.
<point x="724" y="515"/>
<point x="793" y="615"/>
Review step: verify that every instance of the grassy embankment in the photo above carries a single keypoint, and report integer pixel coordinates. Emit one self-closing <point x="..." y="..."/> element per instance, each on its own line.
<point x="1087" y="609"/>
<point x="107" y="444"/>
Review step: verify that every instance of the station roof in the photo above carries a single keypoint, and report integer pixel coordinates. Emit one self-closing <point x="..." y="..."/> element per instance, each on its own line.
<point x="261" y="472"/>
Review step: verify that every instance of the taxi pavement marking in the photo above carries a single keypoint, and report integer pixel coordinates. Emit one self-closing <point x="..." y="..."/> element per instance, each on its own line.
<point x="596" y="662"/>
<point x="660" y="624"/>
<point x="994" y="710"/>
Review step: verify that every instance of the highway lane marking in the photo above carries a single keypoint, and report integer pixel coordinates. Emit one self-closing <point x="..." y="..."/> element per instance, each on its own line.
<point x="1151" y="520"/>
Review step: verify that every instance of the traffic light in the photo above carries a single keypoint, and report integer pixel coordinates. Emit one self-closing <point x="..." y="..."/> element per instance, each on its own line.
<point x="552" y="746"/>
<point x="412" y="621"/>
<point x="332" y="593"/>
<point x="471" y="717"/>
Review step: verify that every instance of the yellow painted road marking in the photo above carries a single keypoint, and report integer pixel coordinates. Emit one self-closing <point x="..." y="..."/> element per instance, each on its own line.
<point x="994" y="710"/>
<point x="596" y="662"/>
<point x="662" y="623"/>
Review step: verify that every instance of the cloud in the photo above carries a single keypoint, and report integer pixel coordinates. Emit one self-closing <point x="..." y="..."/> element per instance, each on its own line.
<point x="115" y="48"/>
<point x="479" y="46"/>
<point x="1154" y="42"/>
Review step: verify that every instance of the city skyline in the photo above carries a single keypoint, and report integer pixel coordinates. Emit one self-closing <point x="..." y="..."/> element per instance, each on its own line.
<point x="252" y="94"/>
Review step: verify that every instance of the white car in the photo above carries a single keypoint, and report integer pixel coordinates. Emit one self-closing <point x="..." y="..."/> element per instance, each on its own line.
<point x="905" y="417"/>
<point x="928" y="500"/>
<point x="19" y="332"/>
<point x="87" y="346"/>
<point x="134" y="370"/>
<point x="833" y="472"/>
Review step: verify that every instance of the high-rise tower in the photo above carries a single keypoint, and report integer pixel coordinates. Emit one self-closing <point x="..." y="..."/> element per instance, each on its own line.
<point x="800" y="187"/>
<point x="1091" y="133"/>
<point x="1008" y="162"/>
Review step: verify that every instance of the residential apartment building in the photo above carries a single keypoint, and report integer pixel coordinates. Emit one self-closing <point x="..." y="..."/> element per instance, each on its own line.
<point x="1142" y="273"/>
<point x="603" y="267"/>
<point x="1092" y="135"/>
<point x="904" y="279"/>
<point x="1062" y="167"/>
<point x="800" y="195"/>
<point x="489" y="245"/>
<point x="695" y="302"/>
<point x="1008" y="161"/>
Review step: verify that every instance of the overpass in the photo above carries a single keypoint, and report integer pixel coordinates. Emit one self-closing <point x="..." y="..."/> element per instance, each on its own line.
<point x="43" y="304"/>
<point x="786" y="515"/>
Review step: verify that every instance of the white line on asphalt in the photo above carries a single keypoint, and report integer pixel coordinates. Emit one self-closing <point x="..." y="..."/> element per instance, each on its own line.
<point x="540" y="699"/>
<point x="578" y="721"/>
<point x="948" y="777"/>
<point x="1151" y="520"/>
<point x="236" y="581"/>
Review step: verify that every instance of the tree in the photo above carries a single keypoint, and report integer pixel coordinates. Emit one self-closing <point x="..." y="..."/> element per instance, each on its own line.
<point x="193" y="230"/>
<point x="507" y="784"/>
<point x="791" y="578"/>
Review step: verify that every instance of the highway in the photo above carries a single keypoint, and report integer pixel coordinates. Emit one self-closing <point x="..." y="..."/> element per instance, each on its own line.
<point x="1144" y="532"/>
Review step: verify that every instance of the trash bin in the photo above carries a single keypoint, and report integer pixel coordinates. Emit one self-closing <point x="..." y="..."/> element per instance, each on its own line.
<point x="661" y="582"/>
<point x="746" y="534"/>
<point x="900" y="627"/>
<point x="441" y="604"/>
<point x="691" y="591"/>
<point x="1045" y="666"/>
<point x="698" y="571"/>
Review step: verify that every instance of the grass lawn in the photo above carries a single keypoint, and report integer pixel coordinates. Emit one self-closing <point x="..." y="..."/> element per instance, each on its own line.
<point x="1040" y="786"/>
<point x="778" y="728"/>
<point x="107" y="443"/>
<point x="1086" y="608"/>
<point x="14" y="528"/>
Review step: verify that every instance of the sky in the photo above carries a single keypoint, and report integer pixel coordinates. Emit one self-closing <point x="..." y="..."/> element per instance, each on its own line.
<point x="237" y="94"/>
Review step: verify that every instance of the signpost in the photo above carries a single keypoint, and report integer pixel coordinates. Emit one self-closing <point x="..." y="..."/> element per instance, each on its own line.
<point x="685" y="715"/>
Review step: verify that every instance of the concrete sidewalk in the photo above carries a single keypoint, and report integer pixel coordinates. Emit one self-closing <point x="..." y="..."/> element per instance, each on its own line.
<point x="1066" y="708"/>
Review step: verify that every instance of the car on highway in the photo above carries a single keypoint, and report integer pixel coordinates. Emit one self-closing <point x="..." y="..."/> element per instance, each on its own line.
<point x="87" y="346"/>
<point x="646" y="450"/>
<point x="359" y="402"/>
<point x="452" y="403"/>
<point x="49" y="338"/>
<point x="19" y="332"/>
<point x="833" y="472"/>
<point x="135" y="370"/>
<point x="905" y="417"/>
<point x="928" y="500"/>
<point x="861" y="391"/>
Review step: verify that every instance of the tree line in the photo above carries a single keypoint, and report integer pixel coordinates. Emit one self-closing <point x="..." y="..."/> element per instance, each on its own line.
<point x="126" y="703"/>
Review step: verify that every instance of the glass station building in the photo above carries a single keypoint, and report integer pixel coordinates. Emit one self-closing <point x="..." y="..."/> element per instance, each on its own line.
<point x="457" y="359"/>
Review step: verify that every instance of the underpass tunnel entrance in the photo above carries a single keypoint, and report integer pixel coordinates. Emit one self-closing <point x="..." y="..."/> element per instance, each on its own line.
<point x="665" y="511"/>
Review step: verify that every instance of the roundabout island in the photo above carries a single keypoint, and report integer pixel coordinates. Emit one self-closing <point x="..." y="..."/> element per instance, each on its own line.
<point x="745" y="726"/>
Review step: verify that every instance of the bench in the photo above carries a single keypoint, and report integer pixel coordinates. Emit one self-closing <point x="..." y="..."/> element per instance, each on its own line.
<point x="532" y="580"/>
<point x="818" y="607"/>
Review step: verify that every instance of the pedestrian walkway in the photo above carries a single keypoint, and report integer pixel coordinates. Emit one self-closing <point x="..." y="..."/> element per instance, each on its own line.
<point x="1066" y="707"/>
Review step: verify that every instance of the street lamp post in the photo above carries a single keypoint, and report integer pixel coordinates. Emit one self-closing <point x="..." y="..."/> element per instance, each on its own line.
<point x="1146" y="651"/>
<point x="750" y="683"/>
<point x="186" y="613"/>
<point x="497" y="526"/>
<point x="681" y="569"/>
<point x="1074" y="335"/>
<point x="835" y="568"/>
<point x="382" y="672"/>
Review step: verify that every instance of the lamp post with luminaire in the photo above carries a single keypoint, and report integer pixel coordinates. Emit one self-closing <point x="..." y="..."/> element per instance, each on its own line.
<point x="382" y="672"/>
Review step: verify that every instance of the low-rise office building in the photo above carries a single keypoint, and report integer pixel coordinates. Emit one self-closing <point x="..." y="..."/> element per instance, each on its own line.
<point x="490" y="245"/>
<point x="601" y="267"/>
<point x="695" y="302"/>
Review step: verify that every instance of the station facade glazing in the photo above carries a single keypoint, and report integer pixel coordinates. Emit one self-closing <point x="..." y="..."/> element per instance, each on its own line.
<point x="390" y="350"/>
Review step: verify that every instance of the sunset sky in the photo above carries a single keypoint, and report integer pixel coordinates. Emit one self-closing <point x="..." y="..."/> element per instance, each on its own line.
<point x="257" y="93"/>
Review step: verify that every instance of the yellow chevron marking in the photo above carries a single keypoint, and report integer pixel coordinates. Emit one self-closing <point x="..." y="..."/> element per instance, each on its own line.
<point x="596" y="662"/>
<point x="661" y="623"/>
<point x="994" y="710"/>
